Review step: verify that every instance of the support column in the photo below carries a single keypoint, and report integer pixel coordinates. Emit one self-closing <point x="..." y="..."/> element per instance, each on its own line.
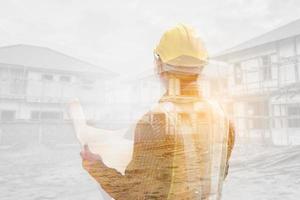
<point x="296" y="60"/>
<point x="278" y="64"/>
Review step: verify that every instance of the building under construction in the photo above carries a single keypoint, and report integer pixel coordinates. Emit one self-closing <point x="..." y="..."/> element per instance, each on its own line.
<point x="264" y="88"/>
<point x="35" y="85"/>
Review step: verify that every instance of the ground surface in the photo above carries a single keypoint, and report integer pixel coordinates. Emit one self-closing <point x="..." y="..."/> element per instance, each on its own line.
<point x="264" y="173"/>
<point x="39" y="172"/>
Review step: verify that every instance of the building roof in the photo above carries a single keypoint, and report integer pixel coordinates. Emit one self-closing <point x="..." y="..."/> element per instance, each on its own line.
<point x="45" y="58"/>
<point x="283" y="32"/>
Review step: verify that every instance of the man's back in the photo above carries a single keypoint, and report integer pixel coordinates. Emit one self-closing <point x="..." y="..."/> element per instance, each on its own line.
<point x="187" y="146"/>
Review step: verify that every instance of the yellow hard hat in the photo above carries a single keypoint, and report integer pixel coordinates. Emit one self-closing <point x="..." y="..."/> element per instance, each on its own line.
<point x="180" y="46"/>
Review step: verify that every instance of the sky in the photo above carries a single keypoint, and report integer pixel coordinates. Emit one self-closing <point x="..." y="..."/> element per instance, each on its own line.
<point x="121" y="35"/>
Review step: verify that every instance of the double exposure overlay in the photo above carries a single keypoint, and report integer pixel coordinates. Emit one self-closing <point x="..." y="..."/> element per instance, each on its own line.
<point x="149" y="100"/>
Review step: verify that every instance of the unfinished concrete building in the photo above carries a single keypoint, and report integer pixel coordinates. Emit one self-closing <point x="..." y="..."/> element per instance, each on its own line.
<point x="264" y="85"/>
<point x="35" y="85"/>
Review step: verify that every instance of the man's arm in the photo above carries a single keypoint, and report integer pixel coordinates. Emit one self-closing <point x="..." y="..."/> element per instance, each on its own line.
<point x="113" y="182"/>
<point x="230" y="145"/>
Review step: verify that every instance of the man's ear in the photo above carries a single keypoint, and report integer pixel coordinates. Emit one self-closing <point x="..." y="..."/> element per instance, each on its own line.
<point x="159" y="64"/>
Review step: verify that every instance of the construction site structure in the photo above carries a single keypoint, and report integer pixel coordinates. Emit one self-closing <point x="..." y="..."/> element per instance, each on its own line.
<point x="264" y="85"/>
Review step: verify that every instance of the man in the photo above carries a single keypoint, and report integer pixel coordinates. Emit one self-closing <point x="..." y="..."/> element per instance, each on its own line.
<point x="182" y="146"/>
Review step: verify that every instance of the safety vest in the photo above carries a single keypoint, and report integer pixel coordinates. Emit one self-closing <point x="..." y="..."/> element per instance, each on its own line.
<point x="195" y="143"/>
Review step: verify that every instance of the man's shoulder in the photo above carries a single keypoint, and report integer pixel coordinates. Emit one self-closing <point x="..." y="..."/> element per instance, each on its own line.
<point x="145" y="119"/>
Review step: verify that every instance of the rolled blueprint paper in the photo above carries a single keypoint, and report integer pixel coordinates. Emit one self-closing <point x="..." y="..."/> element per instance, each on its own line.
<point x="114" y="149"/>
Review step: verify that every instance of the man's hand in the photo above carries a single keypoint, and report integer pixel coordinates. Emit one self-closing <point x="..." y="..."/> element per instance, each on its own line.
<point x="89" y="159"/>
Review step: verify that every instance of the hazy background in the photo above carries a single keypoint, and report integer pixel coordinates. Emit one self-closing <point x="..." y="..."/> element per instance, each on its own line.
<point x="120" y="35"/>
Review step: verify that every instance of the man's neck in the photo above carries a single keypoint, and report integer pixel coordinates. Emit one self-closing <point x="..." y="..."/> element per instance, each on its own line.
<point x="178" y="87"/>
